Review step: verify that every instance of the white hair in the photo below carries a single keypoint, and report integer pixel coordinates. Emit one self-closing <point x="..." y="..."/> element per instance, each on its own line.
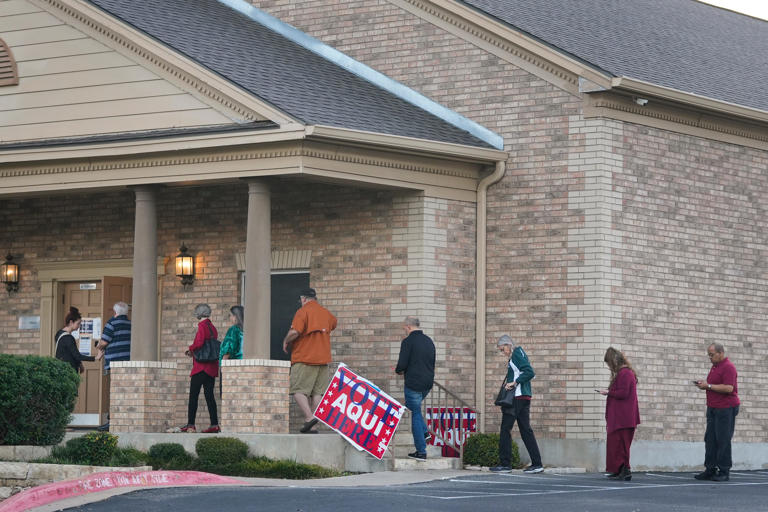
<point x="120" y="308"/>
<point x="202" y="311"/>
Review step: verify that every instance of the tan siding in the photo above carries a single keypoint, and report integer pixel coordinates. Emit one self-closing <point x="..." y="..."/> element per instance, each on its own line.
<point x="79" y="79"/>
<point x="13" y="7"/>
<point x="121" y="124"/>
<point x="58" y="49"/>
<point x="42" y="35"/>
<point x="23" y="21"/>
<point x="76" y="63"/>
<point x="73" y="85"/>
<point x="99" y="109"/>
<point x="148" y="88"/>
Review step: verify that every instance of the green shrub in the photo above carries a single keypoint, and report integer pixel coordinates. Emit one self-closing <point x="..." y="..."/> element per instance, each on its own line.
<point x="37" y="397"/>
<point x="76" y="450"/>
<point x="94" y="448"/>
<point x="266" y="468"/>
<point x="91" y="449"/>
<point x="483" y="450"/>
<point x="63" y="454"/>
<point x="171" y="456"/>
<point x="163" y="452"/>
<point x="128" y="457"/>
<point x="220" y="451"/>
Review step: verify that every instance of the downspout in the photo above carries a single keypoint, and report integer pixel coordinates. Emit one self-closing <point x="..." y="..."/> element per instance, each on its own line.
<point x="482" y="202"/>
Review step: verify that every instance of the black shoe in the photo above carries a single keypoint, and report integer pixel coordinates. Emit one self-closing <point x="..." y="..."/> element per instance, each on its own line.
<point x="427" y="436"/>
<point x="533" y="469"/>
<point x="103" y="428"/>
<point x="418" y="456"/>
<point x="720" y="477"/>
<point x="625" y="475"/>
<point x="611" y="475"/>
<point x="500" y="469"/>
<point x="307" y="427"/>
<point x="705" y="475"/>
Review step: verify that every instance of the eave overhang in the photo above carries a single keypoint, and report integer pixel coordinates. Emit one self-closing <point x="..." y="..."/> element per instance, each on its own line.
<point x="313" y="153"/>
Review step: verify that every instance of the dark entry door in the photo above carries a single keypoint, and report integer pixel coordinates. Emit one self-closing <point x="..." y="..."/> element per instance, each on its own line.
<point x="285" y="302"/>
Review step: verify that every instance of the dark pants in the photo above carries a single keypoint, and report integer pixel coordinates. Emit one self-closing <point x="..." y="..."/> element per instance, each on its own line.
<point x="207" y="382"/>
<point x="717" y="439"/>
<point x="520" y="412"/>
<point x="617" y="449"/>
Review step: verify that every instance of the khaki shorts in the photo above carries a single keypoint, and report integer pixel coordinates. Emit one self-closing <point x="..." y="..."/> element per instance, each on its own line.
<point x="309" y="379"/>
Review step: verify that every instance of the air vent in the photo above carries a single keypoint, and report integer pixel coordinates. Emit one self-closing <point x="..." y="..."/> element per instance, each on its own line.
<point x="8" y="73"/>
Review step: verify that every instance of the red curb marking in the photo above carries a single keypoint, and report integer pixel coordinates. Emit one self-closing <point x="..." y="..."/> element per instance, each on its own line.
<point x="41" y="495"/>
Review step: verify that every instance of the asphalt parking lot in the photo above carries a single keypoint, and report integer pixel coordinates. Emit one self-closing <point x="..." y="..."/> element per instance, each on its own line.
<point x="651" y="492"/>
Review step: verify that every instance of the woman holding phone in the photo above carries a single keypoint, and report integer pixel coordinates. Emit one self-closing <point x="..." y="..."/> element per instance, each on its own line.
<point x="622" y="414"/>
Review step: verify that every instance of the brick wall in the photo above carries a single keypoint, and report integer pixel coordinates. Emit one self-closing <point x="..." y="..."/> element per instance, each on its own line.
<point x="254" y="396"/>
<point x="360" y="242"/>
<point x="693" y="265"/>
<point x="56" y="228"/>
<point x="140" y="392"/>
<point x="528" y="216"/>
<point x="577" y="225"/>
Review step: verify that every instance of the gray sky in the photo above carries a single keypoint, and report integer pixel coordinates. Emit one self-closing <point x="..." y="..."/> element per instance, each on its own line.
<point x="756" y="8"/>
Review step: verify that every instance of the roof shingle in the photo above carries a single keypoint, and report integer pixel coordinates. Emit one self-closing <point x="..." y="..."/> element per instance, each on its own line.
<point x="279" y="71"/>
<point x="680" y="44"/>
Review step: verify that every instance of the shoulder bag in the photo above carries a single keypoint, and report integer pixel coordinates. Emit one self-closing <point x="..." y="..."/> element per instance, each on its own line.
<point x="209" y="352"/>
<point x="506" y="397"/>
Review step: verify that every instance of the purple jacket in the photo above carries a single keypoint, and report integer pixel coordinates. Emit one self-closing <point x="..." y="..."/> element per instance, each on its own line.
<point x="621" y="409"/>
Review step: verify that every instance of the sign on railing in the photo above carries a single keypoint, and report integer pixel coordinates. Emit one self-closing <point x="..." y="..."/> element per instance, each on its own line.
<point x="451" y="425"/>
<point x="362" y="413"/>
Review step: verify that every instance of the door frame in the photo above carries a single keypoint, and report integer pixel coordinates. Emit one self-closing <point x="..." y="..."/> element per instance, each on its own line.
<point x="50" y="274"/>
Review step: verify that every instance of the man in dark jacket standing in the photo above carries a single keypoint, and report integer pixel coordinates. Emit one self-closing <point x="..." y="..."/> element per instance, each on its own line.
<point x="417" y="362"/>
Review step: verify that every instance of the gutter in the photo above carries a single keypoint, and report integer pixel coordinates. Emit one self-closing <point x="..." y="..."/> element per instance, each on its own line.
<point x="480" y="252"/>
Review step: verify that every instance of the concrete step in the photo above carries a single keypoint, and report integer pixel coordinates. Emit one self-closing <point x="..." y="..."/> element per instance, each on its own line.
<point x="406" y="464"/>
<point x="401" y="451"/>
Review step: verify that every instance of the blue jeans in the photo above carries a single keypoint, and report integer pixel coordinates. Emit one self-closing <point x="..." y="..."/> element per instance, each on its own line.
<point x="418" y="427"/>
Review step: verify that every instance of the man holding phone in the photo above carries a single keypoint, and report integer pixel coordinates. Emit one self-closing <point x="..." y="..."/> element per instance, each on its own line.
<point x="722" y="408"/>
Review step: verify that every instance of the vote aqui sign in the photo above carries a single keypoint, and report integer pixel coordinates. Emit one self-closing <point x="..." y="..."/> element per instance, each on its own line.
<point x="363" y="414"/>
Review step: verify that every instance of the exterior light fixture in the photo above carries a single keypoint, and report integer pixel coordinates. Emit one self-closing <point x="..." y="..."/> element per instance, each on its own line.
<point x="185" y="266"/>
<point x="10" y="274"/>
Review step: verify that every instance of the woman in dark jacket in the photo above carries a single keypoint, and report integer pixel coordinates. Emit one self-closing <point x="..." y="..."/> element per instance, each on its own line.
<point x="203" y="374"/>
<point x="622" y="414"/>
<point x="66" y="345"/>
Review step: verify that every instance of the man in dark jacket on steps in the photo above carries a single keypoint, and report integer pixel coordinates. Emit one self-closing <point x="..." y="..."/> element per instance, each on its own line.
<point x="417" y="362"/>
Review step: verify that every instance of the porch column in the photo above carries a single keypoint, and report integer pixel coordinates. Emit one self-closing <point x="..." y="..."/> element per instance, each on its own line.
<point x="144" y="300"/>
<point x="258" y="267"/>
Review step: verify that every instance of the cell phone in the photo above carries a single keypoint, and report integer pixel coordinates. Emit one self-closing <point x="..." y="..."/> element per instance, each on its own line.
<point x="695" y="382"/>
<point x="597" y="391"/>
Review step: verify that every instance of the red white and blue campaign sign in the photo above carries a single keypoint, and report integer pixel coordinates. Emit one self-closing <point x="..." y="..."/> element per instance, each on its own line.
<point x="452" y="425"/>
<point x="362" y="413"/>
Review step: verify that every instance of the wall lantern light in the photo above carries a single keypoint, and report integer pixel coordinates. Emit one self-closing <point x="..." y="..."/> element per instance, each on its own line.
<point x="185" y="266"/>
<point x="10" y="274"/>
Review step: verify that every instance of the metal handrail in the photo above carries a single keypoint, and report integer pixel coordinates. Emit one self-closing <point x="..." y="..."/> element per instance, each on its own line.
<point x="438" y="399"/>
